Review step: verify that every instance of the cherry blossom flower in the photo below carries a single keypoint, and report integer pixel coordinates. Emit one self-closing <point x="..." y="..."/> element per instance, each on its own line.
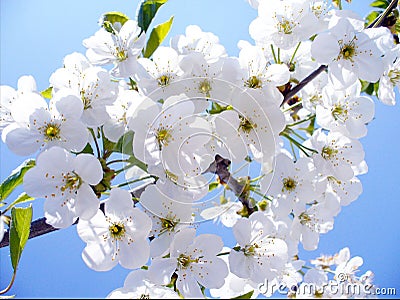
<point x="43" y="126"/>
<point x="117" y="235"/>
<point x="92" y="85"/>
<point x="257" y="256"/>
<point x="194" y="260"/>
<point x="120" y="47"/>
<point x="64" y="181"/>
<point x="345" y="111"/>
<point x="283" y="23"/>
<point x="350" y="54"/>
<point x="138" y="286"/>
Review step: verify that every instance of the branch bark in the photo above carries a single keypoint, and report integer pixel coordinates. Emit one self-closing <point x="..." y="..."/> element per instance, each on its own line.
<point x="40" y="227"/>
<point x="219" y="167"/>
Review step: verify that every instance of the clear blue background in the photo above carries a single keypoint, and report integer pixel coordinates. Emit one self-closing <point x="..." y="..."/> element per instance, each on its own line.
<point x="36" y="35"/>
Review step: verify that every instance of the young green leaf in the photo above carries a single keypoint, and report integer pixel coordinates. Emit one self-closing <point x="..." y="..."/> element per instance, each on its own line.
<point x="47" y="92"/>
<point x="245" y="296"/>
<point x="147" y="12"/>
<point x="157" y="36"/>
<point x="22" y="198"/>
<point x="19" y="232"/>
<point x="125" y="144"/>
<point x="372" y="16"/>
<point x="114" y="17"/>
<point x="212" y="186"/>
<point x="135" y="162"/>
<point x="380" y="3"/>
<point x="15" y="178"/>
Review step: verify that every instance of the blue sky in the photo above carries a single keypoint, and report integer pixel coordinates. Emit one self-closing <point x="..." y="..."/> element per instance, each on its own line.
<point x="36" y="35"/>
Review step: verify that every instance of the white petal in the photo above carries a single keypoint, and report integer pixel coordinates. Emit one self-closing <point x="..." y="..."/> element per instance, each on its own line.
<point x="242" y="232"/>
<point x="99" y="257"/>
<point x="88" y="168"/>
<point x="182" y="241"/>
<point x="161" y="270"/>
<point x="210" y="243"/>
<point x="213" y="272"/>
<point x="134" y="255"/>
<point x="68" y="104"/>
<point x="87" y="203"/>
<point x="188" y="286"/>
<point x="93" y="230"/>
<point x="58" y="213"/>
<point x="325" y="48"/>
<point x="23" y="141"/>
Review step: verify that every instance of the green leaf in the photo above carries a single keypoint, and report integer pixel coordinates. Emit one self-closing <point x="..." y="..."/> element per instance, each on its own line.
<point x="15" y="178"/>
<point x="397" y="26"/>
<point x="372" y="16"/>
<point x="47" y="92"/>
<point x="212" y="186"/>
<point x="22" y="198"/>
<point x="107" y="144"/>
<point x="337" y="3"/>
<point x="125" y="144"/>
<point x="88" y="149"/>
<point x="376" y="88"/>
<point x="367" y="87"/>
<point x="157" y="36"/>
<point x="245" y="296"/>
<point x="19" y="232"/>
<point x="135" y="162"/>
<point x="147" y="12"/>
<point x="110" y="18"/>
<point x="380" y="3"/>
<point x="216" y="108"/>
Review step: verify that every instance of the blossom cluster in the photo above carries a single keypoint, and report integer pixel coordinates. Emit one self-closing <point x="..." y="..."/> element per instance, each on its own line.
<point x="187" y="104"/>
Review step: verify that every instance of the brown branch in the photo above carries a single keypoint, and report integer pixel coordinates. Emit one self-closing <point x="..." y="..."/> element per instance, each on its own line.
<point x="220" y="168"/>
<point x="40" y="227"/>
<point x="289" y="95"/>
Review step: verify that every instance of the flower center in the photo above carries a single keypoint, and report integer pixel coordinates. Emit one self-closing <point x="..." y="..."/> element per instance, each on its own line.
<point x="171" y="176"/>
<point x="184" y="261"/>
<point x="289" y="184"/>
<point x="328" y="152"/>
<point x="87" y="102"/>
<point x="253" y="82"/>
<point x="121" y="54"/>
<point x="52" y="132"/>
<point x="205" y="87"/>
<point x="338" y="111"/>
<point x="394" y="76"/>
<point x="285" y="26"/>
<point x="117" y="230"/>
<point x="163" y="137"/>
<point x="144" y="296"/>
<point x="163" y="80"/>
<point x="246" y="125"/>
<point x="167" y="225"/>
<point x="250" y="250"/>
<point x="347" y="51"/>
<point x="72" y="182"/>
<point x="304" y="218"/>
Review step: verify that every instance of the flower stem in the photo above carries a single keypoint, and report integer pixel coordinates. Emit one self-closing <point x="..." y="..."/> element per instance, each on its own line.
<point x="273" y="54"/>
<point x="294" y="53"/>
<point x="10" y="284"/>
<point x="117" y="161"/>
<point x="95" y="141"/>
<point x="132" y="181"/>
